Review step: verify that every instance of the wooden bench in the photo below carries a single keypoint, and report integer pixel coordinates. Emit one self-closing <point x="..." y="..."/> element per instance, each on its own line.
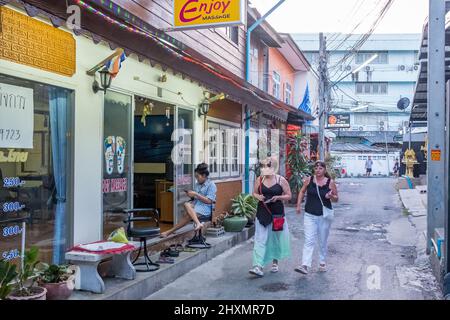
<point x="90" y="280"/>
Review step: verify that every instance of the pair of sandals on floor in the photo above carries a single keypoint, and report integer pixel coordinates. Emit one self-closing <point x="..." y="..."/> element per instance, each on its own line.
<point x="168" y="256"/>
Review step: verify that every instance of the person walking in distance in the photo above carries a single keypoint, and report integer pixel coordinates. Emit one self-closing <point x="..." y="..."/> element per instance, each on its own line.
<point x="320" y="191"/>
<point x="272" y="242"/>
<point x="369" y="165"/>
<point x="396" y="168"/>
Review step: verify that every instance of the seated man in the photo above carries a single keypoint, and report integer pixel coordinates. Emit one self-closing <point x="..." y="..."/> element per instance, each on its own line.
<point x="203" y="199"/>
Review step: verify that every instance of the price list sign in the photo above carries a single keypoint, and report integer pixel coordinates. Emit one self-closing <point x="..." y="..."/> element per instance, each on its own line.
<point x="17" y="117"/>
<point x="12" y="221"/>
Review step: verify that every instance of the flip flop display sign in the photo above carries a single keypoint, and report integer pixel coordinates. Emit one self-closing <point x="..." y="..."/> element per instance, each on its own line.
<point x="115" y="153"/>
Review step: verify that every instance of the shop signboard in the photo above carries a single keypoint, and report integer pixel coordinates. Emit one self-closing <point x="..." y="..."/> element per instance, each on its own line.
<point x="338" y="121"/>
<point x="17" y="117"/>
<point x="197" y="14"/>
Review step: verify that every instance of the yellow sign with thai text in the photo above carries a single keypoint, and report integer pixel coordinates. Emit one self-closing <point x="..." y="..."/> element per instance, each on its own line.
<point x="196" y="14"/>
<point x="33" y="43"/>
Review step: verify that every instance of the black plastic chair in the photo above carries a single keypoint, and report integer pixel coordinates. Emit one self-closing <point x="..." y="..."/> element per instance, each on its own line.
<point x="199" y="240"/>
<point x="143" y="234"/>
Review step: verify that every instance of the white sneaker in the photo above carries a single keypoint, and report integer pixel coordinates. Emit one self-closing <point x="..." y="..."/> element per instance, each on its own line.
<point x="257" y="271"/>
<point x="302" y="270"/>
<point x="275" y="268"/>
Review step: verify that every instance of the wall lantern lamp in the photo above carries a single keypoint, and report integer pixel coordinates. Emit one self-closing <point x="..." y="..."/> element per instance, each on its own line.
<point x="204" y="108"/>
<point x="105" y="81"/>
<point x="206" y="104"/>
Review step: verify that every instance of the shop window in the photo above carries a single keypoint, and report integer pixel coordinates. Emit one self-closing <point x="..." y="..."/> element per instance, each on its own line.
<point x="213" y="149"/>
<point x="35" y="166"/>
<point x="223" y="150"/>
<point x="116" y="159"/>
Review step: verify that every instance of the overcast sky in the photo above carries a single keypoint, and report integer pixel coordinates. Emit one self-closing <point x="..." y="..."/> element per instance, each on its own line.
<point x="305" y="16"/>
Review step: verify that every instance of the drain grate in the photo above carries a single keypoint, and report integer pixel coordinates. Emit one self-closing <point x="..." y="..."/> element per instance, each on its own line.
<point x="275" y="287"/>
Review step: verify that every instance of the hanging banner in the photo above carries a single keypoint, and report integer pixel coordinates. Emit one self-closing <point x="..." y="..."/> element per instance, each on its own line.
<point x="16" y="117"/>
<point x="197" y="14"/>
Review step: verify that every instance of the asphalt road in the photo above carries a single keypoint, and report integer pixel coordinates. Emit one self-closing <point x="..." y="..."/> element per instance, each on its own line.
<point x="364" y="262"/>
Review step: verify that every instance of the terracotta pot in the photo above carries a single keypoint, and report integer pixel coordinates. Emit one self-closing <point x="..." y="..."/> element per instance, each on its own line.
<point x="235" y="224"/>
<point x="59" y="291"/>
<point x="40" y="294"/>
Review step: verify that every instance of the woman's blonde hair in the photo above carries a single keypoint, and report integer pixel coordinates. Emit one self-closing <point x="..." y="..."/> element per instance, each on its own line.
<point x="274" y="164"/>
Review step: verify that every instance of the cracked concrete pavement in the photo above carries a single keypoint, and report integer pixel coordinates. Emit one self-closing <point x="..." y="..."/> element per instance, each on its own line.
<point x="375" y="253"/>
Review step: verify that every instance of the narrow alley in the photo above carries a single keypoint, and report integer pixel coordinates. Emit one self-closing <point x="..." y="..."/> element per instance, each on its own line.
<point x="371" y="235"/>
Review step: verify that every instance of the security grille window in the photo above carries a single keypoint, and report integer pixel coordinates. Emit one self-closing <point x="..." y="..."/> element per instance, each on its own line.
<point x="372" y="88"/>
<point x="383" y="57"/>
<point x="224" y="155"/>
<point x="213" y="149"/>
<point x="223" y="150"/>
<point x="276" y="78"/>
<point x="287" y="93"/>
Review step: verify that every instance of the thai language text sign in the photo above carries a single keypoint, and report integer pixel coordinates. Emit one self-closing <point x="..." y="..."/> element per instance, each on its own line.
<point x="16" y="117"/>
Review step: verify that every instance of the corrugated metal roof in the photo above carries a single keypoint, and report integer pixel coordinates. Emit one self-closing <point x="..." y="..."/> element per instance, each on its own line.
<point x="354" y="147"/>
<point x="371" y="136"/>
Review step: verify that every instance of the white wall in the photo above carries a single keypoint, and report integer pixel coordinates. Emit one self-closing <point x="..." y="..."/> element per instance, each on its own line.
<point x="88" y="126"/>
<point x="354" y="163"/>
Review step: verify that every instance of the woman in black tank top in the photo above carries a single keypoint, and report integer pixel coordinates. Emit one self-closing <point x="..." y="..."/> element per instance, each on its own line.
<point x="270" y="246"/>
<point x="313" y="204"/>
<point x="320" y="191"/>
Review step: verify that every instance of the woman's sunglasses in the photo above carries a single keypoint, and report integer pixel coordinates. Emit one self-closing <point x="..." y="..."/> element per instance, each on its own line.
<point x="266" y="165"/>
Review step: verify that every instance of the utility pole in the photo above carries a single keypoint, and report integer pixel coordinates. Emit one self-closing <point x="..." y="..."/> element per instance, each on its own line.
<point x="436" y="119"/>
<point x="323" y="94"/>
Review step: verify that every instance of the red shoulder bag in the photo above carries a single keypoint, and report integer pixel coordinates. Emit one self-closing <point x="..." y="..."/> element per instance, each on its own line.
<point x="278" y="220"/>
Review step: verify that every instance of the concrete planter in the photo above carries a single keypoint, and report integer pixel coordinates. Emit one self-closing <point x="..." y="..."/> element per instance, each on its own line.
<point x="235" y="224"/>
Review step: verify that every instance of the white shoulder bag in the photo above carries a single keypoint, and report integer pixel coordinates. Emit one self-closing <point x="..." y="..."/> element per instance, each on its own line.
<point x="327" y="212"/>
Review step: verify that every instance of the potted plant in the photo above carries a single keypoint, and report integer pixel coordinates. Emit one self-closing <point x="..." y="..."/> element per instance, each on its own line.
<point x="298" y="164"/>
<point x="7" y="274"/>
<point x="59" y="281"/>
<point x="26" y="288"/>
<point x="243" y="208"/>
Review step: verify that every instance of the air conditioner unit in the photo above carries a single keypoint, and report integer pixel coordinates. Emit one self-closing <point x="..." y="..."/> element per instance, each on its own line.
<point x="369" y="68"/>
<point x="381" y="128"/>
<point x="402" y="67"/>
<point x="348" y="68"/>
<point x="416" y="68"/>
<point x="361" y="128"/>
<point x="381" y="123"/>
